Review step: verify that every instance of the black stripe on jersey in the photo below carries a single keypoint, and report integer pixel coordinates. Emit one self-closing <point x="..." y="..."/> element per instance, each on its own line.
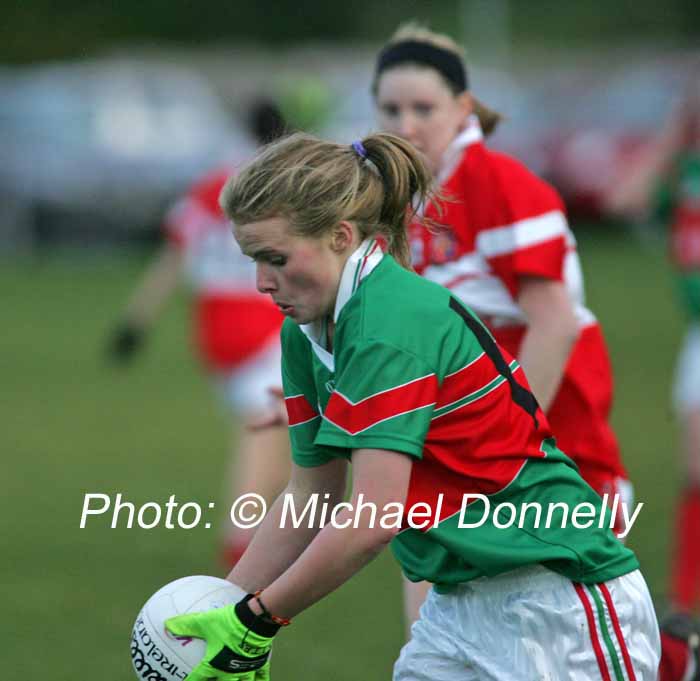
<point x="521" y="396"/>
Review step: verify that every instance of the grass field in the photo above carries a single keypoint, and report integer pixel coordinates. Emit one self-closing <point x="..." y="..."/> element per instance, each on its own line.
<point x="71" y="424"/>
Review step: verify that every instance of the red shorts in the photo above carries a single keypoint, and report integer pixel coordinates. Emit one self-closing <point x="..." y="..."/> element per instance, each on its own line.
<point x="232" y="328"/>
<point x="579" y="415"/>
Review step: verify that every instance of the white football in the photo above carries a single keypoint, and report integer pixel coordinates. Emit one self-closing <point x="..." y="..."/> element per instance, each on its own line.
<point x="156" y="654"/>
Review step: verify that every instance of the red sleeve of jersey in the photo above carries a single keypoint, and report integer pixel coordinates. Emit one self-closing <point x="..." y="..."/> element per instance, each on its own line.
<point x="525" y="232"/>
<point x="196" y="210"/>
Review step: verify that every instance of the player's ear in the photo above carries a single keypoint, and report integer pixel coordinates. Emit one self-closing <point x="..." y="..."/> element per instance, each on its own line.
<point x="465" y="102"/>
<point x="344" y="237"/>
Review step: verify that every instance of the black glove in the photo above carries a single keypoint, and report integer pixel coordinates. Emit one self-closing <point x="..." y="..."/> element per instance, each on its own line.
<point x="124" y="341"/>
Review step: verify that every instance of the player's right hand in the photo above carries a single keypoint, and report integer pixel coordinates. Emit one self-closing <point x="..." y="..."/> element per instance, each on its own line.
<point x="124" y="341"/>
<point x="238" y="642"/>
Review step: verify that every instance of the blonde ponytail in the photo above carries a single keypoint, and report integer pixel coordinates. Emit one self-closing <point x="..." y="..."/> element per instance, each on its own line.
<point x="316" y="184"/>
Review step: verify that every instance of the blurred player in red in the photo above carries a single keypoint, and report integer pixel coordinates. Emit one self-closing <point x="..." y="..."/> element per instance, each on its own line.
<point x="668" y="175"/>
<point x="506" y="250"/>
<point x="235" y="328"/>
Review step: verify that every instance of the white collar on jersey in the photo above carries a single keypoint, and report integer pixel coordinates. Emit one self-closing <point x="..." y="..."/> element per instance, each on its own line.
<point x="361" y="263"/>
<point x="357" y="267"/>
<point x="450" y="159"/>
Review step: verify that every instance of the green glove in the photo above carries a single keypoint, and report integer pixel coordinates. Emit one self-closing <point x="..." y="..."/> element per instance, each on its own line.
<point x="238" y="642"/>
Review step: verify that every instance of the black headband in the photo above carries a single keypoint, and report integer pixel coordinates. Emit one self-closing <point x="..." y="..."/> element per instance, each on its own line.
<point x="446" y="62"/>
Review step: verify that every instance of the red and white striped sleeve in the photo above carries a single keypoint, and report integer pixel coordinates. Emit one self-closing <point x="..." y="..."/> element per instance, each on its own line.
<point x="527" y="233"/>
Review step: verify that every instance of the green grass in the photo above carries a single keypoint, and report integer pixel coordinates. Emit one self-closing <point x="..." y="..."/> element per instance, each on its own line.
<point x="72" y="424"/>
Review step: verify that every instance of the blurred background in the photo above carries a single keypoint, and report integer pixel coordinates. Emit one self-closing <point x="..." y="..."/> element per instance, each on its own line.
<point x="108" y="112"/>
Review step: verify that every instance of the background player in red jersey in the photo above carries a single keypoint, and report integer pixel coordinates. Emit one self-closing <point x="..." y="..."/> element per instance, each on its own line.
<point x="506" y="249"/>
<point x="235" y="329"/>
<point x="668" y="174"/>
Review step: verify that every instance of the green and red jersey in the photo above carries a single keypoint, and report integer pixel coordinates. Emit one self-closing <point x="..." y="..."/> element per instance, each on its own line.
<point x="679" y="202"/>
<point x="414" y="371"/>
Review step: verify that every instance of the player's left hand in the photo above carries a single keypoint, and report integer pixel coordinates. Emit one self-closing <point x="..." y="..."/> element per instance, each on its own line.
<point x="275" y="415"/>
<point x="124" y="342"/>
<point x="238" y="642"/>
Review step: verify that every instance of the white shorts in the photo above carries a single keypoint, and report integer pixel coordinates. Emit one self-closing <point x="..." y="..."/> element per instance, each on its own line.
<point x="245" y="388"/>
<point x="533" y="624"/>
<point x="686" y="389"/>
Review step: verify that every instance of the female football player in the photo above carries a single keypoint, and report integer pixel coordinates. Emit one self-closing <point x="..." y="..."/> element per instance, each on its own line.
<point x="668" y="174"/>
<point x="393" y="374"/>
<point x="235" y="329"/>
<point x="505" y="249"/>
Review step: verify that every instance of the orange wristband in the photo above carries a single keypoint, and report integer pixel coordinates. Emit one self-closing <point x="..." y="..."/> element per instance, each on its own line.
<point x="281" y="621"/>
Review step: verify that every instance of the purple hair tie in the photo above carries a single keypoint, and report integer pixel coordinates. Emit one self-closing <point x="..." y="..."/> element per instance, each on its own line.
<point x="359" y="149"/>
